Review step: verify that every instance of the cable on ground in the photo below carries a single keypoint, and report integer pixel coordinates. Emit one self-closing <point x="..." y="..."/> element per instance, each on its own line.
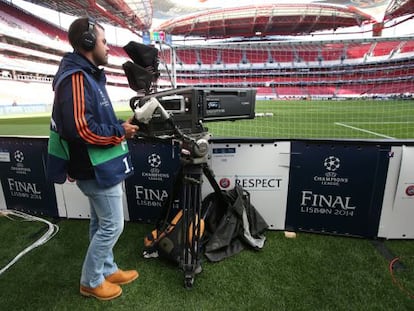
<point x="51" y="232"/>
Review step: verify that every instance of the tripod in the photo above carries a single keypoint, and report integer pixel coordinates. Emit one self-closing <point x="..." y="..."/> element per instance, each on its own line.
<point x="193" y="216"/>
<point x="194" y="155"/>
<point x="180" y="236"/>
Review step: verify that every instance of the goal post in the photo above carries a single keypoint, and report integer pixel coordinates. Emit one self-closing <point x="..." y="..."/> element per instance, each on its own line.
<point x="360" y="88"/>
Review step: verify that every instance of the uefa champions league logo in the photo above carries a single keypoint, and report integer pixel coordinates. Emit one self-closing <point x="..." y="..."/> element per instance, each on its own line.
<point x="154" y="160"/>
<point x="332" y="163"/>
<point x="19" y="167"/>
<point x="18" y="156"/>
<point x="154" y="173"/>
<point x="331" y="176"/>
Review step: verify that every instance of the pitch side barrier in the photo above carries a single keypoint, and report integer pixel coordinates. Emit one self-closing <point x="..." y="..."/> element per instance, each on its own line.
<point x="361" y="188"/>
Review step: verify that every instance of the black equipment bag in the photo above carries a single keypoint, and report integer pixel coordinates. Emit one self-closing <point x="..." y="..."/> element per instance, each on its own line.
<point x="232" y="224"/>
<point x="229" y="223"/>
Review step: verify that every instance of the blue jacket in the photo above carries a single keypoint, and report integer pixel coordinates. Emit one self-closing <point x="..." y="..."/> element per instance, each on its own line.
<point x="86" y="139"/>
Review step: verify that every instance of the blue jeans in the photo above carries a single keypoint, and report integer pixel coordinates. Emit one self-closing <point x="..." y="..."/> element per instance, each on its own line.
<point x="106" y="225"/>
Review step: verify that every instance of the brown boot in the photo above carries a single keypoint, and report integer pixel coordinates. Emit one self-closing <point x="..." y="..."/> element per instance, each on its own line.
<point x="105" y="291"/>
<point x="121" y="277"/>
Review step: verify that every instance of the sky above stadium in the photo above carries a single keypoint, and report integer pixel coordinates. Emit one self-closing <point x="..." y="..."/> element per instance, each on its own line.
<point x="167" y="9"/>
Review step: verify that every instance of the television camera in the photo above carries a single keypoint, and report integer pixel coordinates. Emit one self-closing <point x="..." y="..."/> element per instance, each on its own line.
<point x="187" y="107"/>
<point x="180" y="114"/>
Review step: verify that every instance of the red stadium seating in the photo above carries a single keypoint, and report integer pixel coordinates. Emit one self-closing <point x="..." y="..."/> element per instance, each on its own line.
<point x="29" y="21"/>
<point x="231" y="56"/>
<point x="332" y="68"/>
<point x="188" y="57"/>
<point x="407" y="46"/>
<point x="355" y="68"/>
<point x="209" y="56"/>
<point x="384" y="48"/>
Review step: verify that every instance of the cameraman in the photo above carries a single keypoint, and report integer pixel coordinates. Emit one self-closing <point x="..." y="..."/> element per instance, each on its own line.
<point x="87" y="144"/>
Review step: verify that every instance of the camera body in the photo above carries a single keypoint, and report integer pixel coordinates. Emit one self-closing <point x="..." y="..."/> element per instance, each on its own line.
<point x="191" y="107"/>
<point x="182" y="110"/>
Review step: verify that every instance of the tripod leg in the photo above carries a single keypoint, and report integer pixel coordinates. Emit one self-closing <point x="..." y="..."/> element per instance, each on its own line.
<point x="192" y="223"/>
<point x="208" y="172"/>
<point x="187" y="243"/>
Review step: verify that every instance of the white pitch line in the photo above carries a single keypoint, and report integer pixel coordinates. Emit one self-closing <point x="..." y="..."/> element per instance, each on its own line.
<point x="362" y="130"/>
<point x="386" y="122"/>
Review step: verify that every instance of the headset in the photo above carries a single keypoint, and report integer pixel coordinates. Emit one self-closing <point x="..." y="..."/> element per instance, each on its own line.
<point x="88" y="38"/>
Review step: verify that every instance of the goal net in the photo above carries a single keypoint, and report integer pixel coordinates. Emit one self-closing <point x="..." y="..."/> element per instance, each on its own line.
<point x="306" y="89"/>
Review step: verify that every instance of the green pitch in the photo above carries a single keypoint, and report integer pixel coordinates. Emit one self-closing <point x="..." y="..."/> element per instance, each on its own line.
<point x="345" y="119"/>
<point x="362" y="119"/>
<point x="310" y="272"/>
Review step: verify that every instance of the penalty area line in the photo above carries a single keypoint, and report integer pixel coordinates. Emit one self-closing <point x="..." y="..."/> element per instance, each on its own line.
<point x="363" y="130"/>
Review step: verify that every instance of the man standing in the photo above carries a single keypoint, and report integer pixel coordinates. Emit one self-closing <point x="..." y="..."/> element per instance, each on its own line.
<point x="87" y="144"/>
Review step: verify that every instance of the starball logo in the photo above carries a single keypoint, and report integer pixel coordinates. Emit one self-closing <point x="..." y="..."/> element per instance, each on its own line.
<point x="19" y="167"/>
<point x="18" y="156"/>
<point x="331" y="177"/>
<point x="154" y="162"/>
<point x="332" y="163"/>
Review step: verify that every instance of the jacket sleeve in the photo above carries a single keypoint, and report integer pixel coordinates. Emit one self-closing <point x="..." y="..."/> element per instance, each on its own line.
<point x="85" y="119"/>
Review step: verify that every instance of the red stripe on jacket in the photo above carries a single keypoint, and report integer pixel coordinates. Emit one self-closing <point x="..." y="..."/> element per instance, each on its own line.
<point x="82" y="127"/>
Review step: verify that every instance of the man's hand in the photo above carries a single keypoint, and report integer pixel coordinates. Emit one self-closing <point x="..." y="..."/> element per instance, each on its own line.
<point x="130" y="129"/>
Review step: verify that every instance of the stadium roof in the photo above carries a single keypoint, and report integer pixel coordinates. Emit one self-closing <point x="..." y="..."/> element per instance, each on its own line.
<point x="286" y="18"/>
<point x="399" y="8"/>
<point x="135" y="15"/>
<point x="264" y="20"/>
<point x="216" y="19"/>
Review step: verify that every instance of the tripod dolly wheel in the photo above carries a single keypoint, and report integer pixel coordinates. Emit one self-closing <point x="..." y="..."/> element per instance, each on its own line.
<point x="189" y="282"/>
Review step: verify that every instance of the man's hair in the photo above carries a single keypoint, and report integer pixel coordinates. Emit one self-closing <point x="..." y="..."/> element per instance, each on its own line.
<point x="77" y="29"/>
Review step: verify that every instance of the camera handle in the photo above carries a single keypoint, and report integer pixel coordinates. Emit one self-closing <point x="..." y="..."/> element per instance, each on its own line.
<point x="144" y="111"/>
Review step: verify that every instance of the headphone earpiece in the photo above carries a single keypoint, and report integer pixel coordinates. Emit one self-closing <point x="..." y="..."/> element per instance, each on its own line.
<point x="88" y="38"/>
